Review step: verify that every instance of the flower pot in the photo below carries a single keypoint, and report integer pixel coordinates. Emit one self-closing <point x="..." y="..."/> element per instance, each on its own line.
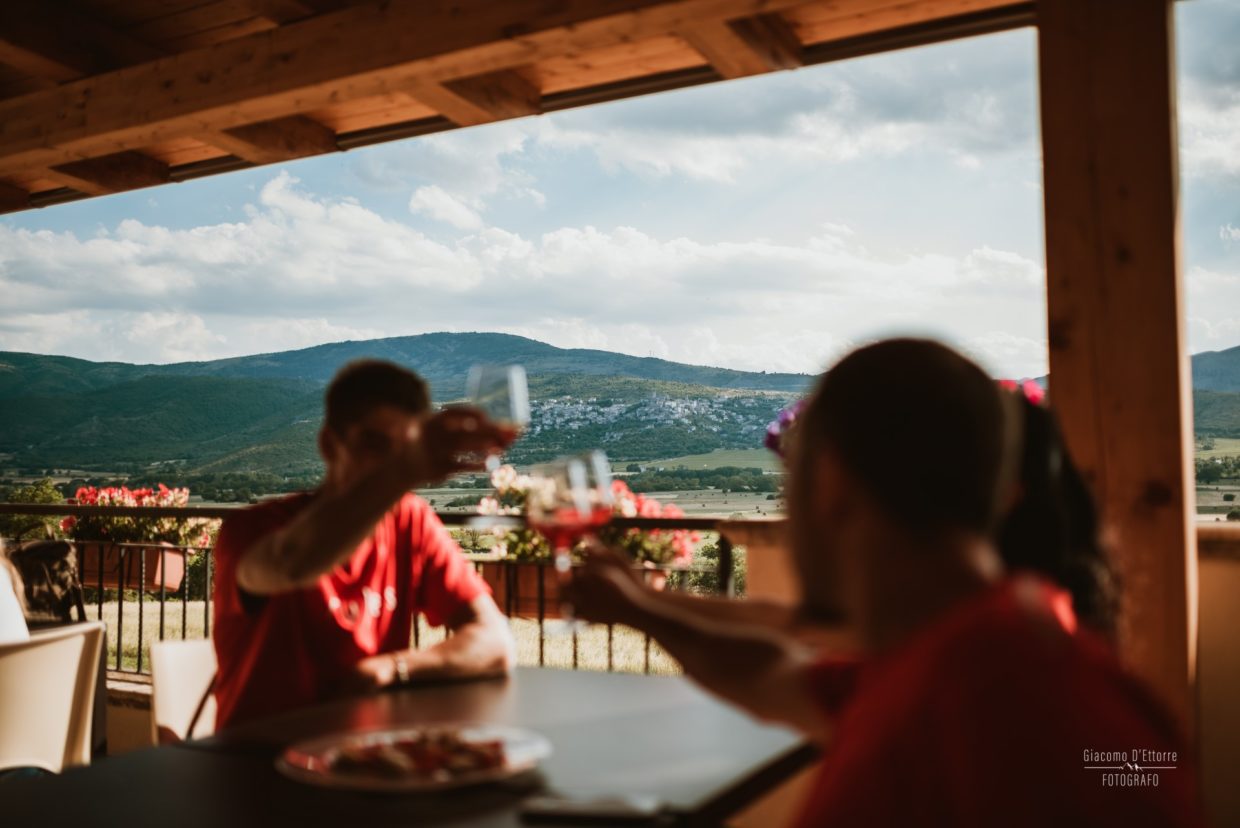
<point x="514" y="585"/>
<point x="131" y="567"/>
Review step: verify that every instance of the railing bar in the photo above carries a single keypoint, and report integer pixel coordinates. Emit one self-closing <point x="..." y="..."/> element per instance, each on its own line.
<point x="99" y="553"/>
<point x="727" y="575"/>
<point x="611" y="666"/>
<point x="206" y="600"/>
<point x="512" y="589"/>
<point x="449" y="518"/>
<point x="163" y="586"/>
<point x="647" y="656"/>
<point x="542" y="615"/>
<point x="120" y="606"/>
<point x="185" y="613"/>
<point x="141" y="601"/>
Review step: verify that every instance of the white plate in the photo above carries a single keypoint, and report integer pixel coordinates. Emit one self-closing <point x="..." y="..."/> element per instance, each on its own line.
<point x="310" y="761"/>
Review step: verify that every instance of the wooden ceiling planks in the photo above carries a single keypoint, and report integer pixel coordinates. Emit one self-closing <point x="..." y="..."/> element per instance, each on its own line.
<point x="185" y="83"/>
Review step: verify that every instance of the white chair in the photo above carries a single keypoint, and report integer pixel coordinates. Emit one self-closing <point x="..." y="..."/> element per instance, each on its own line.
<point x="47" y="697"/>
<point x="181" y="677"/>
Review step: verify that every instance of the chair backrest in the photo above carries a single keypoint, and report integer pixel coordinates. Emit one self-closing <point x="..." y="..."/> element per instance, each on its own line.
<point x="47" y="685"/>
<point x="181" y="677"/>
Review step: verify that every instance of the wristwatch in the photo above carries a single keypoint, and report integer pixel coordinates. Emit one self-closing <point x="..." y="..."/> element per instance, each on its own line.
<point x="402" y="668"/>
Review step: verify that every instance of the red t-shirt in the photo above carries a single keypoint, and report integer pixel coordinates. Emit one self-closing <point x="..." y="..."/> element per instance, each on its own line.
<point x="291" y="649"/>
<point x="984" y="719"/>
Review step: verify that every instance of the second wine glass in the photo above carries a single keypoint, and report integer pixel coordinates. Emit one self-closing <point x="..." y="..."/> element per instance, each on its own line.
<point x="572" y="499"/>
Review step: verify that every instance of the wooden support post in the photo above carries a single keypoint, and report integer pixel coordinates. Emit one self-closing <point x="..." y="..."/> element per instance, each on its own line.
<point x="1119" y="367"/>
<point x="269" y="142"/>
<point x="749" y="46"/>
<point x="481" y="99"/>
<point x="112" y="173"/>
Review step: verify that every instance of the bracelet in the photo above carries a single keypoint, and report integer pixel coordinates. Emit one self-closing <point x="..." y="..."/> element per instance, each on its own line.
<point x="402" y="668"/>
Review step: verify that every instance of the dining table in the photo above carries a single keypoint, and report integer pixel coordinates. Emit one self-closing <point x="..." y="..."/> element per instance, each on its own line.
<point x="658" y="738"/>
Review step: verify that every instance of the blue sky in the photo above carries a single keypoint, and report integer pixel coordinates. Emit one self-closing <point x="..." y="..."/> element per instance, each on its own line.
<point x="768" y="223"/>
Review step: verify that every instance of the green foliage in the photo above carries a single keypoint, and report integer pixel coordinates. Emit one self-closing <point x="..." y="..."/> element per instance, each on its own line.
<point x="20" y="527"/>
<point x="1234" y="514"/>
<point x="197" y="578"/>
<point x="704" y="576"/>
<point x="727" y="478"/>
<point x="1213" y="469"/>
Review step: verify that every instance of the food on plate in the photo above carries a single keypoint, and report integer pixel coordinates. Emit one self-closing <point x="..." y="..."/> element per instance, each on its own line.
<point x="431" y="755"/>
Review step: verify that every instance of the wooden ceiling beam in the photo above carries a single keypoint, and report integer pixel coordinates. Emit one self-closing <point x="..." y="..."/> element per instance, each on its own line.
<point x="111" y="173"/>
<point x="749" y="46"/>
<point x="220" y="14"/>
<point x="364" y="50"/>
<point x="57" y="42"/>
<point x="481" y="99"/>
<point x="270" y="142"/>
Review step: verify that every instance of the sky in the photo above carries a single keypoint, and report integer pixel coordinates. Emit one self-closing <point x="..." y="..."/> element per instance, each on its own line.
<point x="769" y="223"/>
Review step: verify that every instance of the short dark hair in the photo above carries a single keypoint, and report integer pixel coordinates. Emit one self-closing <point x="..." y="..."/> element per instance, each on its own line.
<point x="365" y="384"/>
<point x="921" y="429"/>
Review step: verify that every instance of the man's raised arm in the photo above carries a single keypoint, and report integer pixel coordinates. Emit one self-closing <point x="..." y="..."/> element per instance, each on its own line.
<point x="329" y="529"/>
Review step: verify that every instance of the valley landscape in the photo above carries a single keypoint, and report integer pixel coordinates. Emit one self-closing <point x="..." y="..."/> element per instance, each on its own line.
<point x="237" y="429"/>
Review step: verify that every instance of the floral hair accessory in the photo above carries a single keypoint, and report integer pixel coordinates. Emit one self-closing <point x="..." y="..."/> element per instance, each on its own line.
<point x="779" y="431"/>
<point x="1033" y="392"/>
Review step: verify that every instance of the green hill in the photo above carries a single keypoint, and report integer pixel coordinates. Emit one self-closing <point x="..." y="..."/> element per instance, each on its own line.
<point x="1216" y="413"/>
<point x="258" y="415"/>
<point x="1217" y="370"/>
<point x="443" y="359"/>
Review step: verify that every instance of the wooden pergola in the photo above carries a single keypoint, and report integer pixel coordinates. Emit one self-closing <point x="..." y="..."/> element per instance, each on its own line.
<point x="102" y="96"/>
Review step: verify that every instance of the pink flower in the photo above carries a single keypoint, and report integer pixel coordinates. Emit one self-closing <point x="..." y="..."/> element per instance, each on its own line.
<point x="1033" y="392"/>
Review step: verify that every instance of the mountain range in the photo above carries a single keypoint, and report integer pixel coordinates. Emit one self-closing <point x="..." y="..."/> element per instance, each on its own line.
<point x="260" y="413"/>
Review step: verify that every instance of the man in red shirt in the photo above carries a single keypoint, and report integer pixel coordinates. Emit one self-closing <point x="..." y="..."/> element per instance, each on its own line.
<point x="972" y="698"/>
<point x="315" y="594"/>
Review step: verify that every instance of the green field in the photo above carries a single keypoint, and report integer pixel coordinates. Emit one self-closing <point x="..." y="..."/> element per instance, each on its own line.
<point x="741" y="458"/>
<point x="1223" y="447"/>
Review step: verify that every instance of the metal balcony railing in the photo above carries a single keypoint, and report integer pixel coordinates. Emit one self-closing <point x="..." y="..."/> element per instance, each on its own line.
<point x="131" y="586"/>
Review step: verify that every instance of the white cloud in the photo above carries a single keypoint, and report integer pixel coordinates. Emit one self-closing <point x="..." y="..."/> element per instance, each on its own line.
<point x="157" y="294"/>
<point x="1209" y="131"/>
<point x="435" y="202"/>
<point x="1229" y="233"/>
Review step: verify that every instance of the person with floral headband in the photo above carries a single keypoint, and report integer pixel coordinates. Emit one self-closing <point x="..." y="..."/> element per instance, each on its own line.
<point x="940" y="519"/>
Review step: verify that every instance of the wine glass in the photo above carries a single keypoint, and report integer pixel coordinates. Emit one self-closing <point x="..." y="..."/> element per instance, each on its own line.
<point x="502" y="394"/>
<point x="571" y="498"/>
